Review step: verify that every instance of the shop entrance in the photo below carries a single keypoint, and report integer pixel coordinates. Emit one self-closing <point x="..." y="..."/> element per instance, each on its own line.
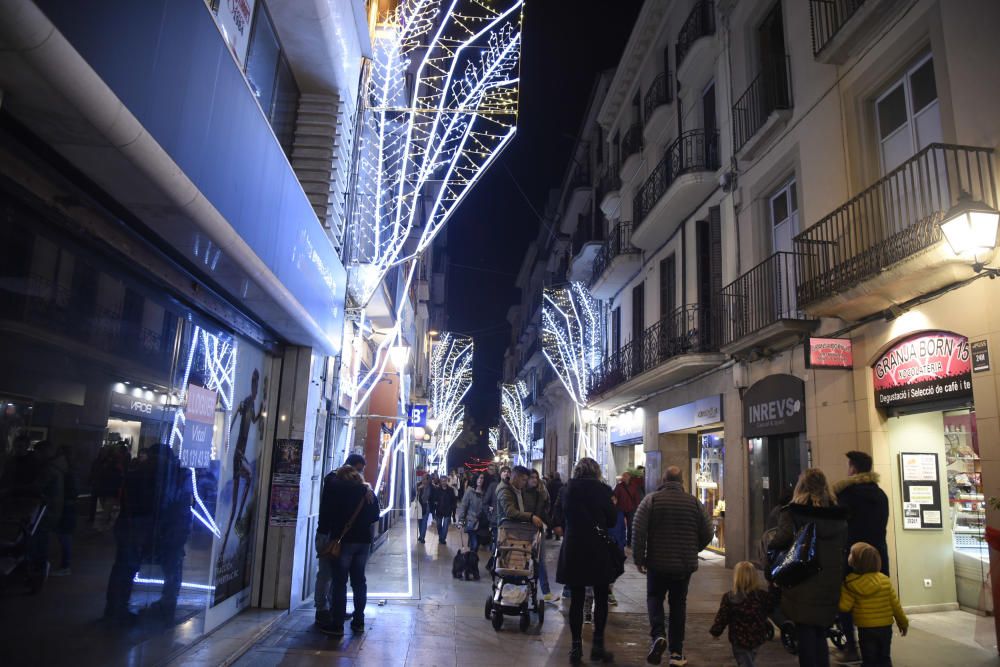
<point x="707" y="472"/>
<point x="776" y="461"/>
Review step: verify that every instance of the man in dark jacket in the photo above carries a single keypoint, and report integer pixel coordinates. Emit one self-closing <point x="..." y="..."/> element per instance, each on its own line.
<point x="447" y="502"/>
<point x="511" y="505"/>
<point x="344" y="491"/>
<point x="671" y="527"/>
<point x="868" y="508"/>
<point x="554" y="486"/>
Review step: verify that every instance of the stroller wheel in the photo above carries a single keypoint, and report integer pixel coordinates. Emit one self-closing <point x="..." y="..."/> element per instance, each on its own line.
<point x="497" y="619"/>
<point x="525" y="621"/>
<point x="540" y="610"/>
<point x="489" y="608"/>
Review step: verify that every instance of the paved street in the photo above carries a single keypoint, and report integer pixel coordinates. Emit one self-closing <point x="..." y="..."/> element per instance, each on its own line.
<point x="443" y="626"/>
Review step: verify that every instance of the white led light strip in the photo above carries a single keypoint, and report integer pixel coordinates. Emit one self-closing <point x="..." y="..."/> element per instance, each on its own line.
<point x="516" y="418"/>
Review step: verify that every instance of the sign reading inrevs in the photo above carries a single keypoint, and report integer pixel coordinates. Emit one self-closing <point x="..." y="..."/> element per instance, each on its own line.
<point x="929" y="366"/>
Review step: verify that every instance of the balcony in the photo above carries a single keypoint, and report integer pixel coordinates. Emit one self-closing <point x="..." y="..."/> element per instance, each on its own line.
<point x="588" y="239"/>
<point x="884" y="246"/>
<point x="615" y="263"/>
<point x="763" y="109"/>
<point x="682" y="179"/>
<point x="760" y="309"/>
<point x="578" y="193"/>
<point x="657" y="105"/>
<point x="677" y="347"/>
<point x="610" y="191"/>
<point x="631" y="152"/>
<point x="696" y="45"/>
<point x="841" y="27"/>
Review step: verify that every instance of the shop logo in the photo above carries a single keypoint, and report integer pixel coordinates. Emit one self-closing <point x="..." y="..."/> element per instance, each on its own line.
<point x="774" y="410"/>
<point x="709" y="413"/>
<point x="140" y="406"/>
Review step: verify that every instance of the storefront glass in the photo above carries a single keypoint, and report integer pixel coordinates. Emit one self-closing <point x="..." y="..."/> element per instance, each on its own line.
<point x="156" y="419"/>
<point x="707" y="471"/>
<point x="968" y="507"/>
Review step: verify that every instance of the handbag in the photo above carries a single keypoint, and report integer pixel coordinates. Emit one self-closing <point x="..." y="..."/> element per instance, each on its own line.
<point x="616" y="555"/>
<point x="799" y="562"/>
<point x="332" y="549"/>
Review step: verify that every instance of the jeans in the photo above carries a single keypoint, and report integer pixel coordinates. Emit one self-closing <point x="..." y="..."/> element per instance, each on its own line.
<point x="628" y="528"/>
<point x="675" y="586"/>
<point x="543" y="574"/>
<point x="875" y="646"/>
<point x="352" y="562"/>
<point x="422" y="523"/>
<point x="473" y="540"/>
<point x="813" y="649"/>
<point x="130" y="549"/>
<point x="324" y="575"/>
<point x="578" y="595"/>
<point x="442" y="524"/>
<point x="744" y="656"/>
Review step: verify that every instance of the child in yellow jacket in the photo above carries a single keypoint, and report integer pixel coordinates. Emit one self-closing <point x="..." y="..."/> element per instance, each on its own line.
<point x="869" y="596"/>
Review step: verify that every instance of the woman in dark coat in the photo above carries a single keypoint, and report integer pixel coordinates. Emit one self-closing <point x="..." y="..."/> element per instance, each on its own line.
<point x="583" y="559"/>
<point x="812" y="604"/>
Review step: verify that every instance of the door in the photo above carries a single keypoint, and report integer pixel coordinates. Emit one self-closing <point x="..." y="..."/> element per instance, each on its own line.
<point x="638" y="325"/>
<point x="783" y="213"/>
<point x="668" y="286"/>
<point x="708" y="122"/>
<point x="771" y="52"/>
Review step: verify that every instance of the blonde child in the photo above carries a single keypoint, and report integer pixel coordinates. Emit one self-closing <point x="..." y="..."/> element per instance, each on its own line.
<point x="745" y="609"/>
<point x="869" y="596"/>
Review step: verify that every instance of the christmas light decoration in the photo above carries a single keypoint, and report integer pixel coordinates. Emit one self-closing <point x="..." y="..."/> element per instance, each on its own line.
<point x="571" y="341"/>
<point x="450" y="380"/>
<point x="516" y="418"/>
<point x="494" y="439"/>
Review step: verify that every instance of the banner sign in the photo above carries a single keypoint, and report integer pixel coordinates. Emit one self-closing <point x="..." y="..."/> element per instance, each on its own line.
<point x="626" y="429"/>
<point x="929" y="366"/>
<point x="416" y="416"/>
<point x="135" y="407"/>
<point x="702" y="412"/>
<point x="199" y="424"/>
<point x="980" y="356"/>
<point x="829" y="353"/>
<point x="773" y="406"/>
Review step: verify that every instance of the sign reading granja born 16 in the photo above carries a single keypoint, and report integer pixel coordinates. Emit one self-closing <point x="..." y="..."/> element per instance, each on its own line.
<point x="928" y="366"/>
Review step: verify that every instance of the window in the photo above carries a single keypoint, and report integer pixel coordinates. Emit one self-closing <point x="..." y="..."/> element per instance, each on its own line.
<point x="638" y="310"/>
<point x="783" y="213"/>
<point x="668" y="286"/>
<point x="272" y="81"/>
<point x="616" y="329"/>
<point x="907" y="117"/>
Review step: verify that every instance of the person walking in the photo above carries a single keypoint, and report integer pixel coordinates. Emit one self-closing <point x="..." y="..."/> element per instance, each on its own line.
<point x="812" y="605"/>
<point x="470" y="510"/>
<point x="584" y="560"/>
<point x="868" y="509"/>
<point x="447" y="501"/>
<point x="627" y="499"/>
<point x="868" y="593"/>
<point x="536" y="501"/>
<point x="348" y="508"/>
<point x="67" y="521"/>
<point x="490" y="498"/>
<point x="553" y="486"/>
<point x="745" y="611"/>
<point x="671" y="527"/>
<point x="425" y="495"/>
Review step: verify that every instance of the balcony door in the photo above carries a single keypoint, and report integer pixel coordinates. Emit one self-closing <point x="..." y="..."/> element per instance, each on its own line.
<point x="638" y="324"/>
<point x="783" y="212"/>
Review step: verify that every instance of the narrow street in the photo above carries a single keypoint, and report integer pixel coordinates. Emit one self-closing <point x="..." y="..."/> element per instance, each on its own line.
<point x="443" y="624"/>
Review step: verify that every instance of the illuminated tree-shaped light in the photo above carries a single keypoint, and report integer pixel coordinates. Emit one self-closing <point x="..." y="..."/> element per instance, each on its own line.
<point x="446" y="435"/>
<point x="571" y="341"/>
<point x="494" y="439"/>
<point x="450" y="380"/>
<point x="516" y="418"/>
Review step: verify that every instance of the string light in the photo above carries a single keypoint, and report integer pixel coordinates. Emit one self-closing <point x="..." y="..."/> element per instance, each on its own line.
<point x="516" y="418"/>
<point x="494" y="439"/>
<point x="450" y="381"/>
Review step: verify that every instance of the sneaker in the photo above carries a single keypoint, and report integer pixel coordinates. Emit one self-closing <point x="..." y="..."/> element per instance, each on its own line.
<point x="333" y="629"/>
<point x="420" y="539"/>
<point x="61" y="572"/>
<point x="612" y="600"/>
<point x="845" y="656"/>
<point x="677" y="660"/>
<point x="551" y="597"/>
<point x="656" y="649"/>
<point x="358" y="625"/>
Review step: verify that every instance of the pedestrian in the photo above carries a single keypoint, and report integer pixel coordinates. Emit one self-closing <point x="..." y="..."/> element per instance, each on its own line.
<point x="469" y="512"/>
<point x="536" y="501"/>
<point x="584" y="559"/>
<point x="424" y="492"/>
<point x="867" y="593"/>
<point x="490" y="498"/>
<point x="555" y="485"/>
<point x="745" y="610"/>
<point x="512" y="506"/>
<point x="67" y="522"/>
<point x="671" y="527"/>
<point x="447" y="501"/>
<point x="868" y="516"/>
<point x="348" y="508"/>
<point x="47" y="481"/>
<point x="812" y="604"/>
<point x="627" y="499"/>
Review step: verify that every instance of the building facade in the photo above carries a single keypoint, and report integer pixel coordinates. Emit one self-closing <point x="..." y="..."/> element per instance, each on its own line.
<point x="779" y="175"/>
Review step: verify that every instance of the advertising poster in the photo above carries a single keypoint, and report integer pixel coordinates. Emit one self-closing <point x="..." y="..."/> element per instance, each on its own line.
<point x="238" y="480"/>
<point x="284" y="510"/>
<point x="234" y="19"/>
<point x="199" y="427"/>
<point x="929" y="366"/>
<point x="921" y="490"/>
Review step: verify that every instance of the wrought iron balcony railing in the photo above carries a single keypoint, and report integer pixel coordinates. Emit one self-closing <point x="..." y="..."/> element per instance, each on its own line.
<point x="770" y="91"/>
<point x="699" y="23"/>
<point x="659" y="93"/>
<point x="619" y="242"/>
<point x="689" y="329"/>
<point x="827" y="17"/>
<point x="893" y="219"/>
<point x="760" y="297"/>
<point x="694" y="150"/>
<point x="632" y="141"/>
<point x="610" y="181"/>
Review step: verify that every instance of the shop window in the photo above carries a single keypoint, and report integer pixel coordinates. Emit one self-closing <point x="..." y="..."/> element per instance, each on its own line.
<point x="272" y="81"/>
<point x="707" y="475"/>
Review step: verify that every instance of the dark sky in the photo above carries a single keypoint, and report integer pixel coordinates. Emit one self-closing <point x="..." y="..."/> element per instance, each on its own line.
<point x="566" y="44"/>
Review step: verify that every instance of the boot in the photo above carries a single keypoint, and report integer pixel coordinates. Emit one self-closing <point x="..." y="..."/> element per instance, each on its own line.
<point x="576" y="653"/>
<point x="598" y="653"/>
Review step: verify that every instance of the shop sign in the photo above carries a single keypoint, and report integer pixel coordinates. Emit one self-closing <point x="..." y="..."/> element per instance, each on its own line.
<point x="234" y="18"/>
<point x="929" y="366"/>
<point x="199" y="425"/>
<point x="416" y="416"/>
<point x="702" y="412"/>
<point x="626" y="429"/>
<point x="980" y="356"/>
<point x="537" y="451"/>
<point x="124" y="404"/>
<point x="829" y="353"/>
<point x="774" y="405"/>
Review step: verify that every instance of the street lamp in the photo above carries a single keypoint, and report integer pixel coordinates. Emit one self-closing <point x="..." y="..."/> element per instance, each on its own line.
<point x="970" y="226"/>
<point x="399" y="355"/>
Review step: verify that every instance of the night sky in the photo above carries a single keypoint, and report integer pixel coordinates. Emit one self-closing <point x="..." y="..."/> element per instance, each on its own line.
<point x="566" y="44"/>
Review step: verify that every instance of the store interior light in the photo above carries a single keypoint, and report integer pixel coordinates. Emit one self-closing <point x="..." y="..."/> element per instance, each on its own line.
<point x="432" y="424"/>
<point x="137" y="392"/>
<point x="970" y="227"/>
<point x="399" y="355"/>
<point x="119" y="387"/>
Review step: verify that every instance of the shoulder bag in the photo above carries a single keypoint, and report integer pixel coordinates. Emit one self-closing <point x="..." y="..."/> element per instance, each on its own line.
<point x="616" y="555"/>
<point x="799" y="562"/>
<point x="332" y="549"/>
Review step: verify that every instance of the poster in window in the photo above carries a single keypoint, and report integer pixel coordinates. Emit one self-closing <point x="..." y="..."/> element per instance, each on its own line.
<point x="234" y="18"/>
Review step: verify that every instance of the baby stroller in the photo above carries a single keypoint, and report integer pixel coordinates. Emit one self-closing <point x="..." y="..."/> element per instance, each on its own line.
<point x="789" y="638"/>
<point x="514" y="569"/>
<point x="20" y="516"/>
